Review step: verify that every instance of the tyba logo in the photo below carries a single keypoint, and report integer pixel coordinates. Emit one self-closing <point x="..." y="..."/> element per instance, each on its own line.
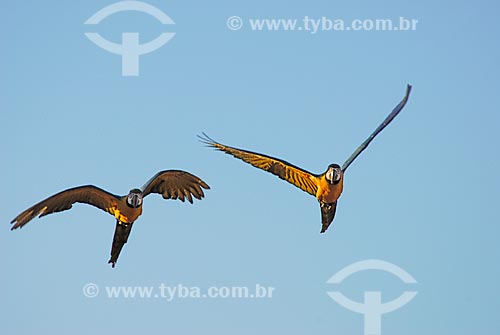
<point x="130" y="49"/>
<point x="372" y="308"/>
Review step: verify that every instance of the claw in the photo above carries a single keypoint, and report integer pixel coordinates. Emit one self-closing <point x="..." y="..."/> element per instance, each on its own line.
<point x="112" y="263"/>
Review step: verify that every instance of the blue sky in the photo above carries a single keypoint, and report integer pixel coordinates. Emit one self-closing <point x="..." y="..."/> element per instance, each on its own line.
<point x="423" y="196"/>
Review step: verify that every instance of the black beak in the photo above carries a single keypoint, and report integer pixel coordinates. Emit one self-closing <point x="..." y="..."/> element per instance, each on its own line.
<point x="136" y="200"/>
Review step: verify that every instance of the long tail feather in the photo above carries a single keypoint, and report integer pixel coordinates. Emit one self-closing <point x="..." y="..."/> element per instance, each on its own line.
<point x="327" y="214"/>
<point x="122" y="231"/>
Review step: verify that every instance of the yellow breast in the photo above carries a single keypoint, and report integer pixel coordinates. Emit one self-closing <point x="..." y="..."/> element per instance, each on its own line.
<point x="327" y="192"/>
<point x="120" y="216"/>
<point x="128" y="215"/>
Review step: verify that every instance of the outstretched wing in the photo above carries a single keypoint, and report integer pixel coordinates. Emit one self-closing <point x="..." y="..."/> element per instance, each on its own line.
<point x="381" y="127"/>
<point x="175" y="184"/>
<point x="64" y="200"/>
<point x="304" y="180"/>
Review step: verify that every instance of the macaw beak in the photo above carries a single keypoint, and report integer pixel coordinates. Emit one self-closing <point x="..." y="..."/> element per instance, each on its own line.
<point x="136" y="200"/>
